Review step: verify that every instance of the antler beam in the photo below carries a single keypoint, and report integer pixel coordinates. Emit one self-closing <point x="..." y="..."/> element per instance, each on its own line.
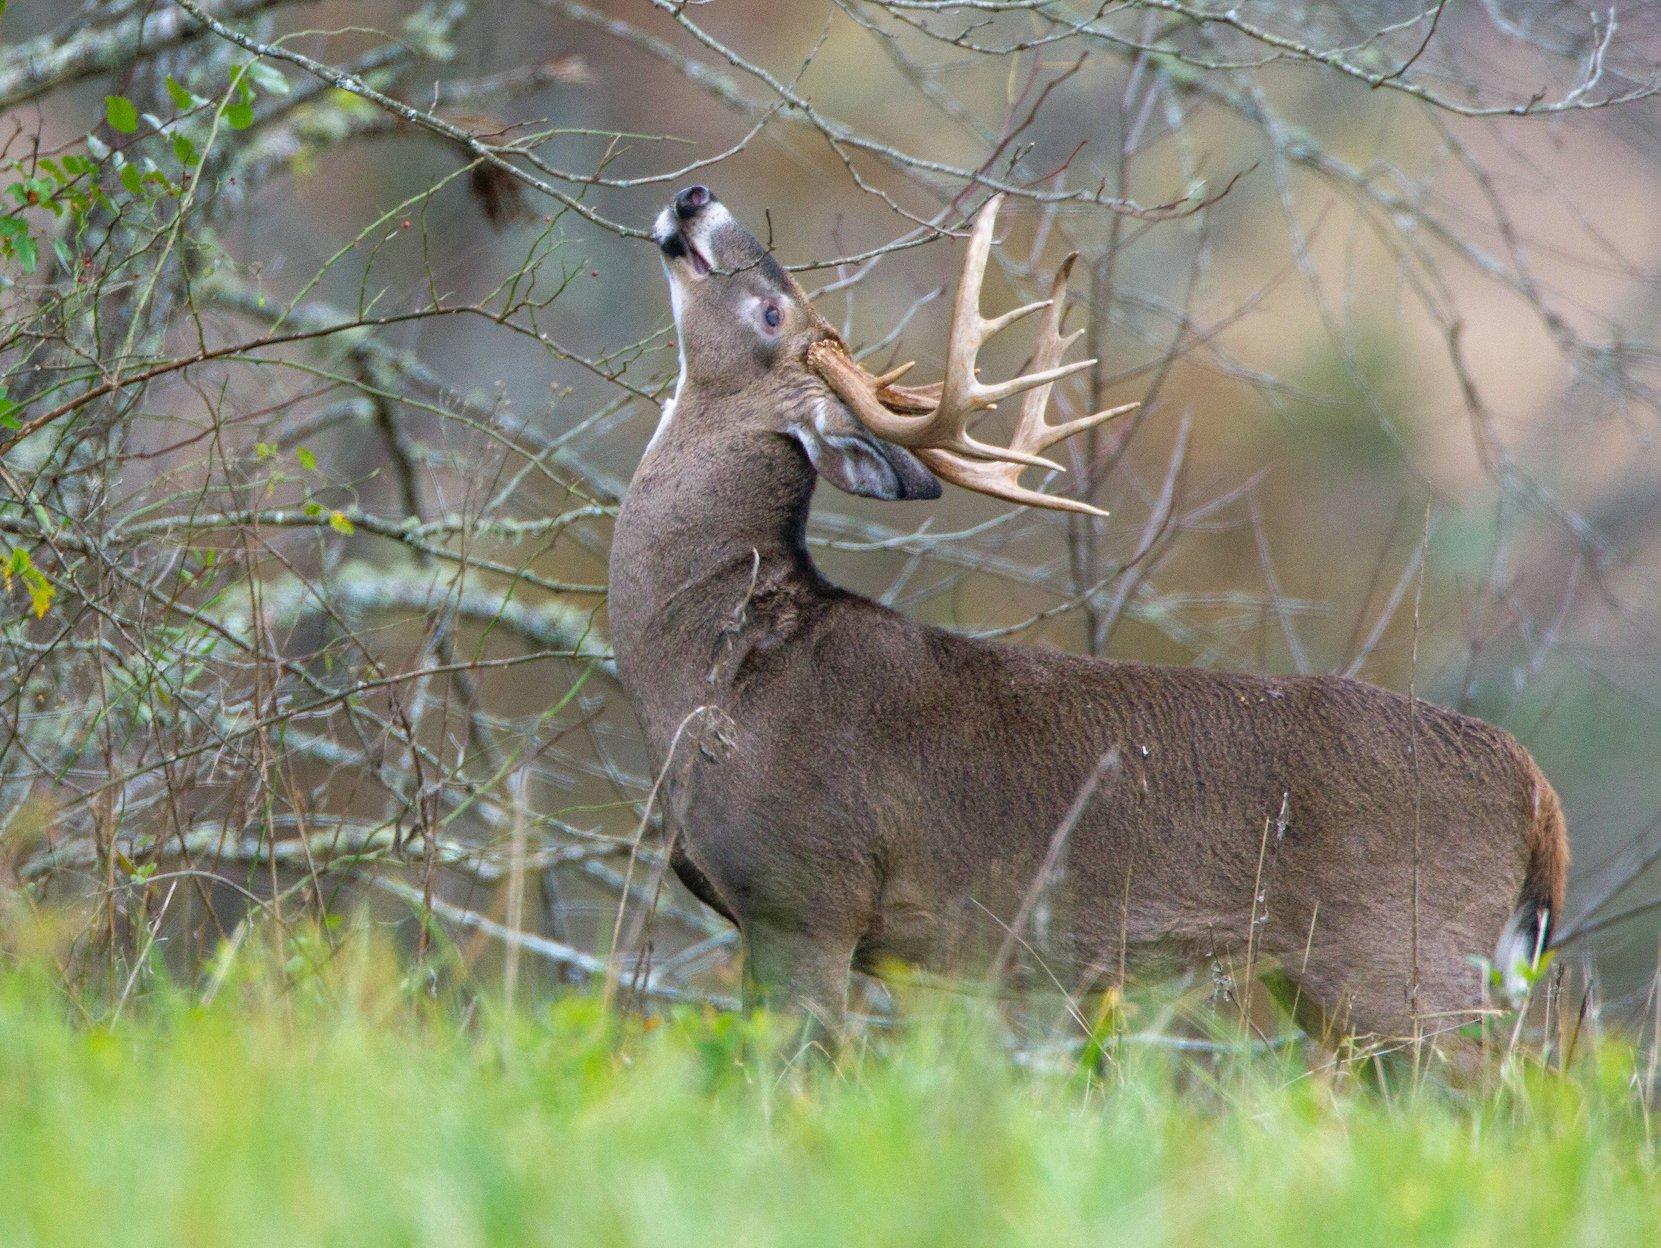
<point x="934" y="420"/>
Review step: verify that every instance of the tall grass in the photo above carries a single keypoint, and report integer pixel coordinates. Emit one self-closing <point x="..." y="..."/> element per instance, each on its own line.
<point x="344" y="1106"/>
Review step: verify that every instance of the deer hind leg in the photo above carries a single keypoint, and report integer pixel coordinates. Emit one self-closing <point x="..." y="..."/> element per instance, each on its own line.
<point x="799" y="973"/>
<point x="1357" y="995"/>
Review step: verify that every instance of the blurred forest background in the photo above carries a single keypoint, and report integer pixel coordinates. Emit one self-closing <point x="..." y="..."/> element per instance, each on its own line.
<point x="331" y="337"/>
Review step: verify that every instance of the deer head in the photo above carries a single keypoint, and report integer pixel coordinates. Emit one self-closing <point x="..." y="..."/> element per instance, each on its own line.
<point x="746" y="327"/>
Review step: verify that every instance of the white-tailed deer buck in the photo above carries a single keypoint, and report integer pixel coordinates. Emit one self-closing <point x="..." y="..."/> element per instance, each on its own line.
<point x="851" y="787"/>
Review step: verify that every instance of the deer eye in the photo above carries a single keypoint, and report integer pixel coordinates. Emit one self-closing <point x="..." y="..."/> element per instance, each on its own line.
<point x="772" y="316"/>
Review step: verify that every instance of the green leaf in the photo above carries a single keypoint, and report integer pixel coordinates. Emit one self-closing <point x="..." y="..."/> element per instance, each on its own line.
<point x="123" y="117"/>
<point x="340" y="522"/>
<point x="7" y="407"/>
<point x="27" y="252"/>
<point x="186" y="151"/>
<point x="308" y="461"/>
<point x="180" y="95"/>
<point x="132" y="177"/>
<point x="239" y="114"/>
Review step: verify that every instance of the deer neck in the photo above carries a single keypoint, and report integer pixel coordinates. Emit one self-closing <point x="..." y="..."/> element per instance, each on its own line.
<point x="716" y="512"/>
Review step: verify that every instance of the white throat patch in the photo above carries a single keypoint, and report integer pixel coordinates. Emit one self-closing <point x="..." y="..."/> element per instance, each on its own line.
<point x="680" y="381"/>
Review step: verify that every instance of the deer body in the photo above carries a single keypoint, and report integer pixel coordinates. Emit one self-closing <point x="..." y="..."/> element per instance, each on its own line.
<point x="851" y="787"/>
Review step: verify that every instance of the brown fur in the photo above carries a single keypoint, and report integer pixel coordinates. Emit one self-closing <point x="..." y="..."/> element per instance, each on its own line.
<point x="852" y="787"/>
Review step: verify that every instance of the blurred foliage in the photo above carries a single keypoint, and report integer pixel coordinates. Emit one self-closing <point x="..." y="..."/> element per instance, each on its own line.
<point x="322" y="1096"/>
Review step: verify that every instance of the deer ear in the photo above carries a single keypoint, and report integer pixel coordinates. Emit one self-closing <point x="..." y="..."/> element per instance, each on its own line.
<point x="852" y="458"/>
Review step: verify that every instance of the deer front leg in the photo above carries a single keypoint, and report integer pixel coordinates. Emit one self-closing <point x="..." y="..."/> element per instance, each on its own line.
<point x="801" y="973"/>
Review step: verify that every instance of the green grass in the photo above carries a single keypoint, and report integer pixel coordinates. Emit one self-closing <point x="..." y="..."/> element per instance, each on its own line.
<point x="343" y="1109"/>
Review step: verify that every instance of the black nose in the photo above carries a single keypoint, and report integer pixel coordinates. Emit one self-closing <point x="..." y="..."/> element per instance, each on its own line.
<point x="691" y="200"/>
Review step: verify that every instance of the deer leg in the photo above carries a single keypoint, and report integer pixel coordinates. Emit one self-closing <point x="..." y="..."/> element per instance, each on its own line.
<point x="799" y="973"/>
<point x="1336" y="1008"/>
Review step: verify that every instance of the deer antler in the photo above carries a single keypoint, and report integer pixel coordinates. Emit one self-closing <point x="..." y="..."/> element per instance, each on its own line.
<point x="934" y="420"/>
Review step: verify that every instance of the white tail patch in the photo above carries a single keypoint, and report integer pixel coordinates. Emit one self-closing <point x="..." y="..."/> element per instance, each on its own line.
<point x="1517" y="956"/>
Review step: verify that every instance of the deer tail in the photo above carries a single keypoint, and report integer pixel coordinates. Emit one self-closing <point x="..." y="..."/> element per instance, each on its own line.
<point x="1528" y="933"/>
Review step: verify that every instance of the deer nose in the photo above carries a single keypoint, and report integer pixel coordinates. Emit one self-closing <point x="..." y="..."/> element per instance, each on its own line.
<point x="692" y="200"/>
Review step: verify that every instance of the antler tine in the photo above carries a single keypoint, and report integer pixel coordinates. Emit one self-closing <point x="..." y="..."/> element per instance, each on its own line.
<point x="893" y="375"/>
<point x="962" y="395"/>
<point x="998" y="480"/>
<point x="968" y="329"/>
<point x="1033" y="432"/>
<point x="934" y="420"/>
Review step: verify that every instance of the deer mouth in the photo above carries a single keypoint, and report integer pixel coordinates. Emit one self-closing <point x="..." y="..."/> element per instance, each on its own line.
<point x="681" y="230"/>
<point x="678" y="246"/>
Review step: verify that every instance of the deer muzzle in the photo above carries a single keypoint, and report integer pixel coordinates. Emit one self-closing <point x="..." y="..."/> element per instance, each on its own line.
<point x="682" y="230"/>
